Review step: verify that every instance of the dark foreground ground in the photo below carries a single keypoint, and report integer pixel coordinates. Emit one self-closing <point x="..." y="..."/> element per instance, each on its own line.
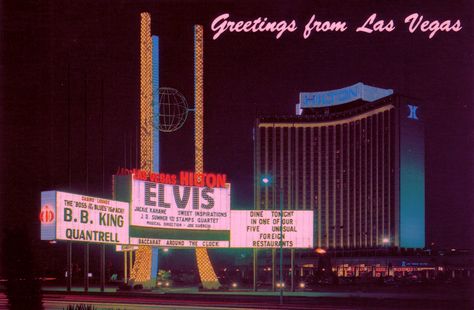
<point x="439" y="297"/>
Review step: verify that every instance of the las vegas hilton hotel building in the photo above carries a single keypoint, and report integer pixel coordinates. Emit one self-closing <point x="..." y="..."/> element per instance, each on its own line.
<point x="355" y="156"/>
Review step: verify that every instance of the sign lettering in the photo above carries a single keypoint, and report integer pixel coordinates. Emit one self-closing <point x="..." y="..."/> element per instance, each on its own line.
<point x="262" y="229"/>
<point x="85" y="219"/>
<point x="180" y="207"/>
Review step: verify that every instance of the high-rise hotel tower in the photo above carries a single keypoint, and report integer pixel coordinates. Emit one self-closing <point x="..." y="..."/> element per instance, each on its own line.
<point x="355" y="156"/>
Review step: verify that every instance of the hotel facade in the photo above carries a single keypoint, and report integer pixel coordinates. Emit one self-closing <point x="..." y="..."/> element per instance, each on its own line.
<point x="355" y="156"/>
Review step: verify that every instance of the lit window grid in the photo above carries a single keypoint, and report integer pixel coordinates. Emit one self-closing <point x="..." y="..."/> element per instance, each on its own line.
<point x="352" y="195"/>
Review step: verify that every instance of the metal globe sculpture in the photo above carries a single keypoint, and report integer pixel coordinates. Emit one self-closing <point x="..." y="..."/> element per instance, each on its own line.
<point x="173" y="109"/>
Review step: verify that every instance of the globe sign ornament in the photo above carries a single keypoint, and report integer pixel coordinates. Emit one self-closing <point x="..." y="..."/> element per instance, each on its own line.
<point x="46" y="214"/>
<point x="173" y="109"/>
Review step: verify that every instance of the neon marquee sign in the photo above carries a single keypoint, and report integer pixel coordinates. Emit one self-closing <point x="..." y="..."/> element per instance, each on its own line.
<point x="342" y="95"/>
<point x="184" y="178"/>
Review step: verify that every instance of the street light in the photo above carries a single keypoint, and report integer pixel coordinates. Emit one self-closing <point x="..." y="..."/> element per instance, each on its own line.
<point x="267" y="180"/>
<point x="320" y="251"/>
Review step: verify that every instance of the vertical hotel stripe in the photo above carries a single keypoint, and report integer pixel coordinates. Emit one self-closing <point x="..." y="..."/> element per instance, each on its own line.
<point x="371" y="120"/>
<point x="282" y="160"/>
<point x="382" y="203"/>
<point x="296" y="173"/>
<point x="274" y="166"/>
<point x="377" y="126"/>
<point x="389" y="170"/>
<point x="290" y="172"/>
<point x="326" y="182"/>
<point x="348" y="185"/>
<point x="354" y="185"/>
<point x="334" y="230"/>
<point x="257" y="161"/>
<point x="311" y="173"/>
<point x="366" y="168"/>
<point x="303" y="179"/>
<point x="319" y="187"/>
<point x="359" y="171"/>
<point x="266" y="166"/>
<point x="341" y="184"/>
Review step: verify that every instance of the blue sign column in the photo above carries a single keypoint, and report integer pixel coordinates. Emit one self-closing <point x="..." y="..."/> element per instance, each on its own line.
<point x="156" y="132"/>
<point x="412" y="178"/>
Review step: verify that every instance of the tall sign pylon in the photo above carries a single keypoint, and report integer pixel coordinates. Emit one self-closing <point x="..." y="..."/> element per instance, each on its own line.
<point x="144" y="269"/>
<point x="141" y="271"/>
<point x="206" y="271"/>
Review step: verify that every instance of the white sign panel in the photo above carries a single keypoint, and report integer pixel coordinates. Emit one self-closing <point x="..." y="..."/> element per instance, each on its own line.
<point x="261" y="229"/>
<point x="159" y="205"/>
<point x="179" y="243"/>
<point x="88" y="219"/>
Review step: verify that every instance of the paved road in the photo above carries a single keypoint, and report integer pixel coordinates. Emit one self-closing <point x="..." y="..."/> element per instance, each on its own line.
<point x="61" y="301"/>
<point x="191" y="298"/>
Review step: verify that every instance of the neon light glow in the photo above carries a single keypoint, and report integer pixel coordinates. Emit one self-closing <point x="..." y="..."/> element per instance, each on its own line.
<point x="198" y="99"/>
<point x="186" y="178"/>
<point x="141" y="270"/>
<point x="206" y="271"/>
<point x="146" y="94"/>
